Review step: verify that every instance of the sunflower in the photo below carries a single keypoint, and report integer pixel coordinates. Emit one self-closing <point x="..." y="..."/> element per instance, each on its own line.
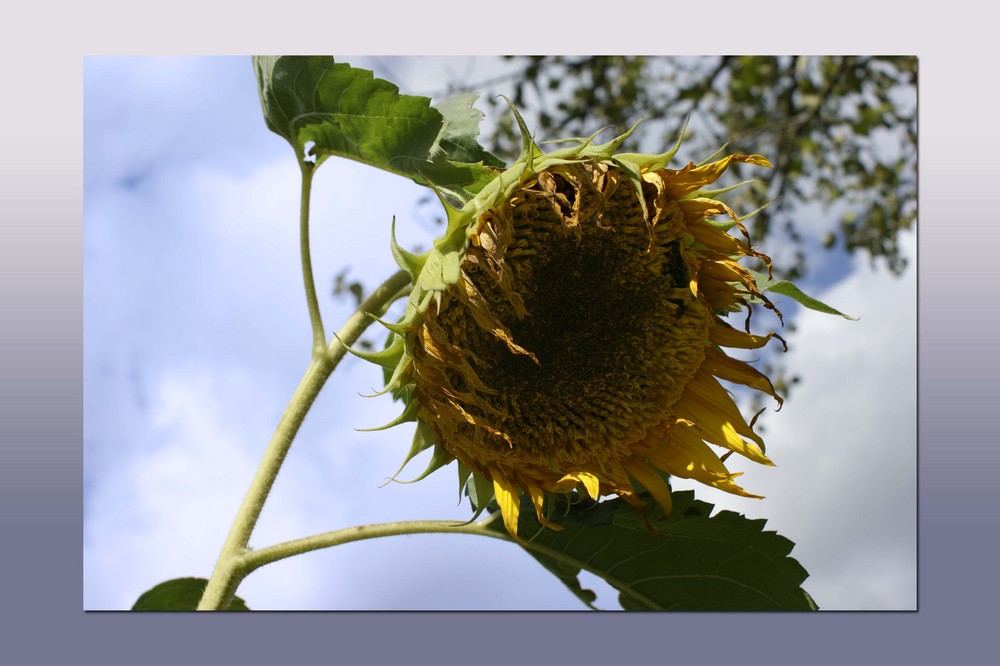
<point x="567" y="330"/>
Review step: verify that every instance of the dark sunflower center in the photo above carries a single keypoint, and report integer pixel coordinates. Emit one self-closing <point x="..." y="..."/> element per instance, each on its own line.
<point x="610" y="319"/>
<point x="587" y="302"/>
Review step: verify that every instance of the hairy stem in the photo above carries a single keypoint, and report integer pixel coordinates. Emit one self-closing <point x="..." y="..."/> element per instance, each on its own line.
<point x="315" y="316"/>
<point x="228" y="571"/>
<point x="255" y="559"/>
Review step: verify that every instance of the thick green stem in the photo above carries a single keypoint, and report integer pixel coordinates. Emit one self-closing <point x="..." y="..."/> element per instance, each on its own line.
<point x="315" y="316"/>
<point x="228" y="572"/>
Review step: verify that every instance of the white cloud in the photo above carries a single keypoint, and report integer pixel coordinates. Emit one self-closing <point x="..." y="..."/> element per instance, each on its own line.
<point x="165" y="512"/>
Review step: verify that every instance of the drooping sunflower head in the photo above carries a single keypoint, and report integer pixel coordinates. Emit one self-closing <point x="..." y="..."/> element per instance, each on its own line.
<point x="566" y="331"/>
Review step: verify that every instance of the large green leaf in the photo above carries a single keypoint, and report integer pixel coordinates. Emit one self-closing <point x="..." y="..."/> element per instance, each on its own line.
<point x="325" y="108"/>
<point x="688" y="561"/>
<point x="179" y="594"/>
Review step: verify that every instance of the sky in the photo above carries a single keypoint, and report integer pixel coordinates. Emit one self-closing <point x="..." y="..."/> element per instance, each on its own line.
<point x="196" y="333"/>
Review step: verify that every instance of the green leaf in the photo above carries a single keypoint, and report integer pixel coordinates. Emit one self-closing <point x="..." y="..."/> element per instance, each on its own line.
<point x="286" y="87"/>
<point x="690" y="560"/>
<point x="179" y="594"/>
<point x="325" y="108"/>
<point x="458" y="137"/>
<point x="786" y="288"/>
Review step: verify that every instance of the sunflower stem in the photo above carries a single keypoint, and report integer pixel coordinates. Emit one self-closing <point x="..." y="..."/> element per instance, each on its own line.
<point x="228" y="570"/>
<point x="252" y="560"/>
<point x="315" y="316"/>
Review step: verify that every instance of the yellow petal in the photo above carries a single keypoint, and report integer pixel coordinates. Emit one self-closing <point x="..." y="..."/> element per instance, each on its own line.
<point x="692" y="178"/>
<point x="718" y="419"/>
<point x="508" y="501"/>
<point x="538" y="499"/>
<point x="652" y="482"/>
<point x="717" y="240"/>
<point x="589" y="482"/>
<point x="727" y="270"/>
<point x="738" y="372"/>
<point x="698" y="209"/>
<point x="688" y="457"/>
<point x="726" y="336"/>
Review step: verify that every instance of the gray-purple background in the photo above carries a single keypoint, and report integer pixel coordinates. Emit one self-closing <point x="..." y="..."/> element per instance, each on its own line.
<point x="41" y="324"/>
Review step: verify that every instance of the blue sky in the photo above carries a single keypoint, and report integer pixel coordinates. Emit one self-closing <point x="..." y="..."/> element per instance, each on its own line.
<point x="196" y="333"/>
